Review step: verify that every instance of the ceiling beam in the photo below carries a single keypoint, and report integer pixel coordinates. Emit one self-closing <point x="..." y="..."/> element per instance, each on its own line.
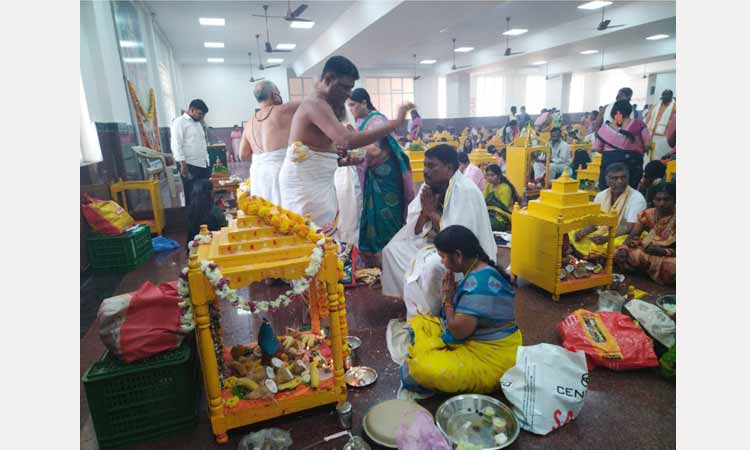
<point x="353" y="21"/>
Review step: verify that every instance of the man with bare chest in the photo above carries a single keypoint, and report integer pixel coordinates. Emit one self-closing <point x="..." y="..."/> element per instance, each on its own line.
<point x="319" y="143"/>
<point x="264" y="140"/>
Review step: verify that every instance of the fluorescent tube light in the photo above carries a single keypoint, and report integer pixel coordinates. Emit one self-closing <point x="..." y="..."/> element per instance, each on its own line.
<point x="298" y="24"/>
<point x="594" y="5"/>
<point x="211" y="22"/>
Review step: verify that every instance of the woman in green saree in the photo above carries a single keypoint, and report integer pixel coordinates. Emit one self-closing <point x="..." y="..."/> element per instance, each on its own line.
<point x="500" y="195"/>
<point x="386" y="180"/>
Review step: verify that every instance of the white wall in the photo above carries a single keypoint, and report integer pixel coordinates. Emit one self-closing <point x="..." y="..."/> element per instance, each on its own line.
<point x="426" y="96"/>
<point x="662" y="81"/>
<point x="554" y="93"/>
<point x="600" y="88"/>
<point x="459" y="94"/>
<point x="100" y="64"/>
<point x="227" y="90"/>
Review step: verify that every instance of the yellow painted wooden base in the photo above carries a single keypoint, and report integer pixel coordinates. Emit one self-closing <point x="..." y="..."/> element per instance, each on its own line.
<point x="267" y="242"/>
<point x="282" y="407"/>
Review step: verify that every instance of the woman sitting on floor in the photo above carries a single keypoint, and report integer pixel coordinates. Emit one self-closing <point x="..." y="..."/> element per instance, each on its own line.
<point x="500" y="196"/>
<point x="653" y="176"/>
<point x="474" y="340"/>
<point x="654" y="254"/>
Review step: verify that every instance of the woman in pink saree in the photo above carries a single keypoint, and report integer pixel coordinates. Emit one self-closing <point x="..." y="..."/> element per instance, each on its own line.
<point x="624" y="140"/>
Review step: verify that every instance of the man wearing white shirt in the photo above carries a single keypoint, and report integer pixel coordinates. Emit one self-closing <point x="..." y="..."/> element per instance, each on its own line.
<point x="188" y="142"/>
<point x="560" y="157"/>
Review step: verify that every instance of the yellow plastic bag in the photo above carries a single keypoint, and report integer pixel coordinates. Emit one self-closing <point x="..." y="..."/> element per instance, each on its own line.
<point x="106" y="216"/>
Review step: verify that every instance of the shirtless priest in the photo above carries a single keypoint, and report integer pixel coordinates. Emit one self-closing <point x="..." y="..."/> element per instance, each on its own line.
<point x="265" y="139"/>
<point x="318" y="144"/>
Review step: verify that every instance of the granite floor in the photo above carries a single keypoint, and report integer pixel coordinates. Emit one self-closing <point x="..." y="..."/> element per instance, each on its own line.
<point x="623" y="410"/>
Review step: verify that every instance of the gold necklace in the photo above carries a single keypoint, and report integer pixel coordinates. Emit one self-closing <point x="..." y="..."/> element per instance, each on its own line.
<point x="471" y="267"/>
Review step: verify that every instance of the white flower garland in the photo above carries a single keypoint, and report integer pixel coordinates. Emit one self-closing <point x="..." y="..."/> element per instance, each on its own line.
<point x="223" y="291"/>
<point x="230" y="180"/>
<point x="300" y="285"/>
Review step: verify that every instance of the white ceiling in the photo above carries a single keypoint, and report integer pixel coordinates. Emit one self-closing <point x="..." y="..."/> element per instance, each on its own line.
<point x="179" y="21"/>
<point x="558" y="30"/>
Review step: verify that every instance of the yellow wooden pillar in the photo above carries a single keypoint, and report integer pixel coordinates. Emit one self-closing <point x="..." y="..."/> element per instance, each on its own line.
<point x="314" y="306"/>
<point x="199" y="297"/>
<point x="610" y="252"/>
<point x="334" y="306"/>
<point x="558" y="257"/>
<point x="342" y="311"/>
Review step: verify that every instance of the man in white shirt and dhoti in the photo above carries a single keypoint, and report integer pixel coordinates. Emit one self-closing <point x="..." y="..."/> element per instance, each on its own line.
<point x="658" y="119"/>
<point x="411" y="264"/>
<point x="188" y="143"/>
<point x="265" y="139"/>
<point x="319" y="144"/>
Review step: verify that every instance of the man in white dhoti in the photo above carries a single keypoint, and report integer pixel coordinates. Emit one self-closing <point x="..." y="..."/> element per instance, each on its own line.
<point x="319" y="143"/>
<point x="264" y="140"/>
<point x="658" y="120"/>
<point x="411" y="265"/>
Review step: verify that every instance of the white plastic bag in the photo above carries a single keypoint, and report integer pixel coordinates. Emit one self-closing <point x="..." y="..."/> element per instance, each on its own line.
<point x="546" y="387"/>
<point x="654" y="321"/>
<point x="611" y="301"/>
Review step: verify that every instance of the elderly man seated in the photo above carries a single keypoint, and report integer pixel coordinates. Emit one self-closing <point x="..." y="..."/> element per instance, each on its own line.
<point x="411" y="264"/>
<point x="620" y="198"/>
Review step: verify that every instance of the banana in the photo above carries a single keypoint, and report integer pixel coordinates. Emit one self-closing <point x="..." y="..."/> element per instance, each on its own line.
<point x="289" y="385"/>
<point x="314" y="375"/>
<point x="246" y="383"/>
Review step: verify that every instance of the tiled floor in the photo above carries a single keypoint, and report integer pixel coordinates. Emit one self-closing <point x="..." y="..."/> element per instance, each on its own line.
<point x="623" y="410"/>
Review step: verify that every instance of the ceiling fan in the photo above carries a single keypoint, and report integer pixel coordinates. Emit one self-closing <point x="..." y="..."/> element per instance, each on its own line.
<point x="508" y="51"/>
<point x="415" y="77"/>
<point x="252" y="78"/>
<point x="605" y="24"/>
<point x="291" y="16"/>
<point x="260" y="62"/>
<point x="269" y="47"/>
<point x="454" y="66"/>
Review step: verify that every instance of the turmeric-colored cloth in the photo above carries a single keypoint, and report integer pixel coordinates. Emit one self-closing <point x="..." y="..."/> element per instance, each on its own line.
<point x="472" y="366"/>
<point x="499" y="201"/>
<point x="627" y="206"/>
<point x="662" y="232"/>
<point x="439" y="361"/>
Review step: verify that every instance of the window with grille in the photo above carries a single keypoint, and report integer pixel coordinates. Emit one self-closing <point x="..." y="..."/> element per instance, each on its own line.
<point x="387" y="94"/>
<point x="300" y="88"/>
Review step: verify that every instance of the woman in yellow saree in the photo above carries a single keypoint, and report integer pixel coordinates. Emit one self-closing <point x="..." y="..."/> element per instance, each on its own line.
<point x="500" y="195"/>
<point x="474" y="340"/>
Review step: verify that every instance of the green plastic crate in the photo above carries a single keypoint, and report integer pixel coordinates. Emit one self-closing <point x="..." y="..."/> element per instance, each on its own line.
<point x="143" y="400"/>
<point x="120" y="253"/>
